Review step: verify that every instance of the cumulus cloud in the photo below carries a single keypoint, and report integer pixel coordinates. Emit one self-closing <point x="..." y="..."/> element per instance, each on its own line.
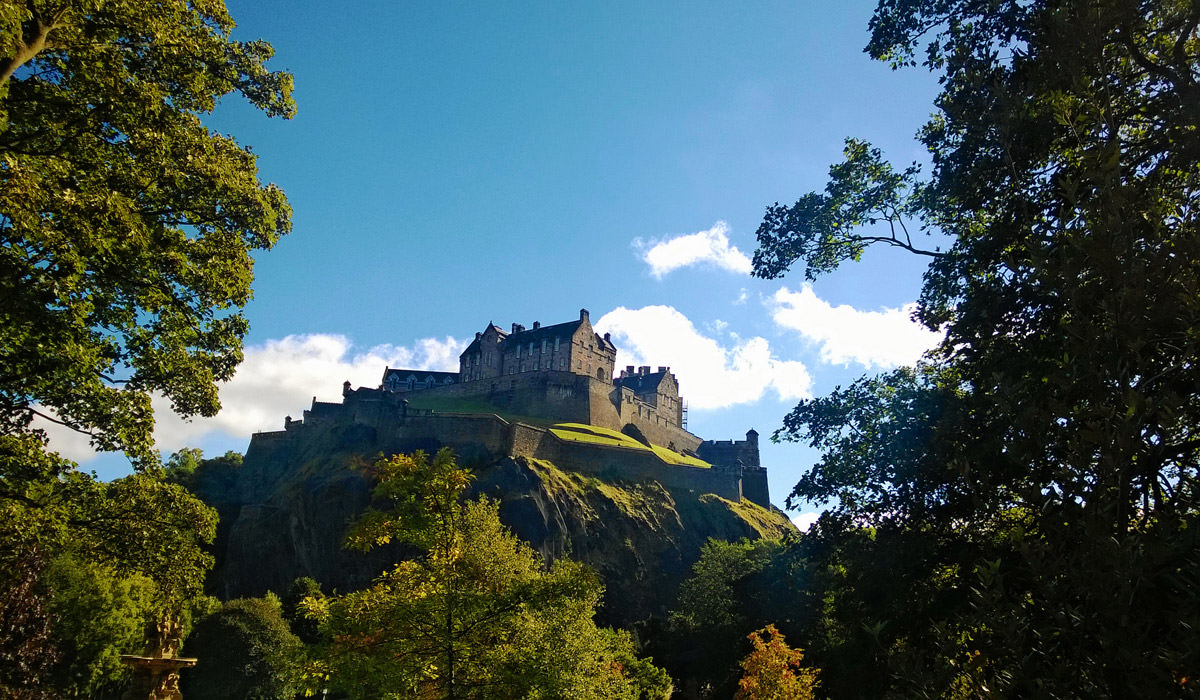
<point x="886" y="338"/>
<point x="280" y="378"/>
<point x="709" y="247"/>
<point x="711" y="375"/>
<point x="803" y="521"/>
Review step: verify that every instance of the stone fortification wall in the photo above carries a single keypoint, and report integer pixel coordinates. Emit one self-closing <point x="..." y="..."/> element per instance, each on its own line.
<point x="658" y="429"/>
<point x="560" y="394"/>
<point x="743" y="452"/>
<point x="474" y="437"/>
<point x="480" y="437"/>
<point x="754" y="485"/>
<point x="568" y="398"/>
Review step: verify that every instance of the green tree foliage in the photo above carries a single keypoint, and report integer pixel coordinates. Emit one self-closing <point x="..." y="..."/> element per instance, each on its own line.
<point x="137" y="525"/>
<point x="473" y="614"/>
<point x="243" y="650"/>
<point x="302" y="625"/>
<point x="772" y="670"/>
<point x="710" y="598"/>
<point x="181" y="466"/>
<point x="734" y="588"/>
<point x="1039" y="473"/>
<point x="127" y="226"/>
<point x="99" y="616"/>
<point x="125" y="552"/>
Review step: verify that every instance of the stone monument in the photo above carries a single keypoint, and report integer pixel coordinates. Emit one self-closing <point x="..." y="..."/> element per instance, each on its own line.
<point x="156" y="674"/>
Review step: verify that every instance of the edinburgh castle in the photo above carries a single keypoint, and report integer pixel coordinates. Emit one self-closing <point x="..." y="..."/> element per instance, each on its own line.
<point x="514" y="388"/>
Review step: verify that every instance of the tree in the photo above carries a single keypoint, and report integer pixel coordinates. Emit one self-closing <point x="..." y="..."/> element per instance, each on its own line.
<point x="138" y="525"/>
<point x="127" y="226"/>
<point x="181" y="466"/>
<point x="27" y="650"/>
<point x="727" y="595"/>
<point x="473" y="614"/>
<point x="301" y="625"/>
<point x="772" y="670"/>
<point x="1044" y="458"/>
<point x="244" y="650"/>
<point x="99" y="615"/>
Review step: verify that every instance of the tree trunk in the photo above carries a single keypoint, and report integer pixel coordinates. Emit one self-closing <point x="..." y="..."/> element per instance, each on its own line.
<point x="30" y="47"/>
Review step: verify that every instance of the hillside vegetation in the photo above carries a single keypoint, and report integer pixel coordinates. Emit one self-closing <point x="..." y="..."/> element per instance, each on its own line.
<point x="595" y="435"/>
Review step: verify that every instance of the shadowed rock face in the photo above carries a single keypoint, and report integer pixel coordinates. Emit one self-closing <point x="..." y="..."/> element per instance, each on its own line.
<point x="293" y="501"/>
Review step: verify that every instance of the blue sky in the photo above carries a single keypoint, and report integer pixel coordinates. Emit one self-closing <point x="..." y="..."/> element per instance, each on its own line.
<point x="454" y="164"/>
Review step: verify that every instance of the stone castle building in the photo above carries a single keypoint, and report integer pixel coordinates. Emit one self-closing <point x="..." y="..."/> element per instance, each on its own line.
<point x="563" y="373"/>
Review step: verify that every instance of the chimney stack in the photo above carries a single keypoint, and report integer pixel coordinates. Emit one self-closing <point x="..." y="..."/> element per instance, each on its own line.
<point x="644" y="369"/>
<point x="537" y="325"/>
<point x="583" y="315"/>
<point x="663" y="369"/>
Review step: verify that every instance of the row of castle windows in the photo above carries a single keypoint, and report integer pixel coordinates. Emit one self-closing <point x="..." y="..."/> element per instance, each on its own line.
<point x="393" y="382"/>
<point x="545" y="346"/>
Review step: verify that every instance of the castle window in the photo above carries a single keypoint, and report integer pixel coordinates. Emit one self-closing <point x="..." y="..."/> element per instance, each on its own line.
<point x="556" y="344"/>
<point x="545" y="344"/>
<point x="531" y="347"/>
<point x="600" y="373"/>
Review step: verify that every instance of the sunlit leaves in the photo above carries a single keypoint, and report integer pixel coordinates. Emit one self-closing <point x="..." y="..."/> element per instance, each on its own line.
<point x="126" y="227"/>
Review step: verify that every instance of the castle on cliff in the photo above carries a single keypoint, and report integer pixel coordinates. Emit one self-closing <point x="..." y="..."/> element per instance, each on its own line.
<point x="510" y="385"/>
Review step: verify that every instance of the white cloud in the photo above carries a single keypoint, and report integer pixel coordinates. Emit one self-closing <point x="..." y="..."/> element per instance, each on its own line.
<point x="704" y="247"/>
<point x="710" y="375"/>
<point x="886" y="338"/>
<point x="280" y="378"/>
<point x="803" y="521"/>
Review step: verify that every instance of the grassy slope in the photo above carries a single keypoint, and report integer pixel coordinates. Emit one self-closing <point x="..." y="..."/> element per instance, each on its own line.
<point x="630" y="499"/>
<point x="578" y="432"/>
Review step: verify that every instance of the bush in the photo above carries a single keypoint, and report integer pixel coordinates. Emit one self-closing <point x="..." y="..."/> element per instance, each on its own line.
<point x="244" y="650"/>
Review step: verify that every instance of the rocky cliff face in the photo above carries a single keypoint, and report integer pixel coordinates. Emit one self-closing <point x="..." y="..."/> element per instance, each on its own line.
<point x="295" y="498"/>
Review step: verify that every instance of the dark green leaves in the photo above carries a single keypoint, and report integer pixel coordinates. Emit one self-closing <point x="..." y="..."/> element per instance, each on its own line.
<point x="823" y="230"/>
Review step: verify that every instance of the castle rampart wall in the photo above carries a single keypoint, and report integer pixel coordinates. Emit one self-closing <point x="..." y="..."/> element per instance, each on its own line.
<point x="482" y="436"/>
<point x="658" y="429"/>
<point x="571" y="398"/>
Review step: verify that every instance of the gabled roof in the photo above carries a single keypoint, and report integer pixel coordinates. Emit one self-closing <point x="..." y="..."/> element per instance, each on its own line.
<point x="605" y="343"/>
<point x="474" y="346"/>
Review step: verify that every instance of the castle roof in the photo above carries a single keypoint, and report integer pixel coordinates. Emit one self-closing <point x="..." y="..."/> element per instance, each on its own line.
<point x="474" y="346"/>
<point x="420" y="374"/>
<point x="559" y="330"/>
<point x="642" y="383"/>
